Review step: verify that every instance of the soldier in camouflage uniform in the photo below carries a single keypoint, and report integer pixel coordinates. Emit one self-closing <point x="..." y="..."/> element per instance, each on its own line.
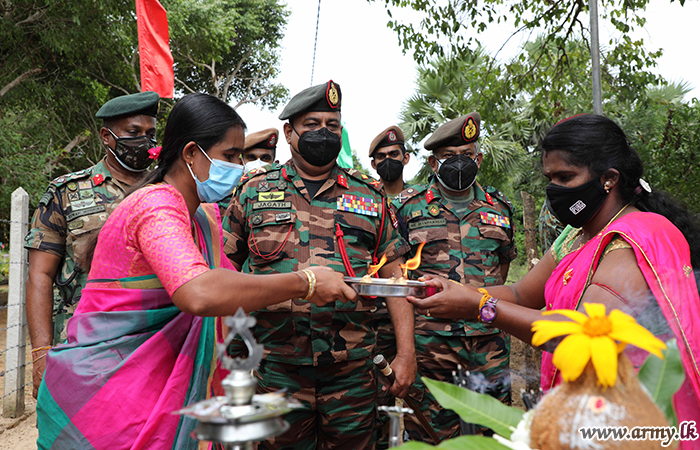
<point x="468" y="231"/>
<point x="311" y="212"/>
<point x="74" y="205"/>
<point x="389" y="157"/>
<point x="549" y="228"/>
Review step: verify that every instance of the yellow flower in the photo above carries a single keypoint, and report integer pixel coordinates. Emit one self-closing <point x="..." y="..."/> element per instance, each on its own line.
<point x="594" y="337"/>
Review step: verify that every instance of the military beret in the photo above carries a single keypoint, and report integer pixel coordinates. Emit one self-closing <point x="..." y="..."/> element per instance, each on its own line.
<point x="130" y="105"/>
<point x="322" y="97"/>
<point x="460" y="131"/>
<point x="391" y="136"/>
<point x="266" y="139"/>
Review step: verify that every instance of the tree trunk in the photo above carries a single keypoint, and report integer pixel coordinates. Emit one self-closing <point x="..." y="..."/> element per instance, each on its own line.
<point x="530" y="224"/>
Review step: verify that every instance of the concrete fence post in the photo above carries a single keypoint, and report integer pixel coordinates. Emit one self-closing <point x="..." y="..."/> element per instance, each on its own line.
<point x="15" y="360"/>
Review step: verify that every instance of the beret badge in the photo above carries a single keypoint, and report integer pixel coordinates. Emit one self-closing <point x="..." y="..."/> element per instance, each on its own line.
<point x="470" y="131"/>
<point x="391" y="135"/>
<point x="332" y="95"/>
<point x="272" y="141"/>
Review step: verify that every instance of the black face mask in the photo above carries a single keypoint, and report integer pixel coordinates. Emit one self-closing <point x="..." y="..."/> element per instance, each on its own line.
<point x="390" y="169"/>
<point x="576" y="206"/>
<point x="132" y="152"/>
<point x="319" y="147"/>
<point x="457" y="172"/>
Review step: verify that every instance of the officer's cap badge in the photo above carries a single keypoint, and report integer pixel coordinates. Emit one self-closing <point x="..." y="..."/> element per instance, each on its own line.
<point x="332" y="95"/>
<point x="470" y="131"/>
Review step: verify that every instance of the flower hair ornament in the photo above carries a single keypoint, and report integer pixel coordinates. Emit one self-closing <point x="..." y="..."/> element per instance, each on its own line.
<point x="154" y="152"/>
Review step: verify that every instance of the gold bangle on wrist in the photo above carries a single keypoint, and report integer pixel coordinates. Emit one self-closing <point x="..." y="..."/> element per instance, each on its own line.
<point x="311" y="278"/>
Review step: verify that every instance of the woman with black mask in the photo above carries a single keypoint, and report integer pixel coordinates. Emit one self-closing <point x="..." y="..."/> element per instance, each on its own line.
<point x="626" y="246"/>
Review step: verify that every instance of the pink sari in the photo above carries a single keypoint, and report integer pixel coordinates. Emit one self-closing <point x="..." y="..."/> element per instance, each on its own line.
<point x="663" y="256"/>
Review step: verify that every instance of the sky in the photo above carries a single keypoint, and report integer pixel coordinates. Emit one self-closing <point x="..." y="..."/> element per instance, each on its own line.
<point x="358" y="51"/>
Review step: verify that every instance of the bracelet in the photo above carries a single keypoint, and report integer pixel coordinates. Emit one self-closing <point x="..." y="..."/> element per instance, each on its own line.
<point x="311" y="278"/>
<point x="37" y="359"/>
<point x="38" y="349"/>
<point x="484" y="298"/>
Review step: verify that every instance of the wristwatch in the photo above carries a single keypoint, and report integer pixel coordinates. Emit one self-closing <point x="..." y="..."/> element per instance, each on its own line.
<point x="488" y="312"/>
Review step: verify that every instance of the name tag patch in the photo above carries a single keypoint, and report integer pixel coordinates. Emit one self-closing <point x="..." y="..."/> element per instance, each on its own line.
<point x="494" y="219"/>
<point x="283" y="217"/>
<point x="358" y="205"/>
<point x="427" y="223"/>
<point x="272" y="205"/>
<point x="270" y="196"/>
<point x="85" y="211"/>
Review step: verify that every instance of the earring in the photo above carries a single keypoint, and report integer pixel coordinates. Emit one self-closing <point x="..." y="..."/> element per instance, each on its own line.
<point x="607" y="186"/>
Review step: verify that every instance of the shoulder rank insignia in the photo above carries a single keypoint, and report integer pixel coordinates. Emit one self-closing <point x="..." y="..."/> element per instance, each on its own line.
<point x="274" y="175"/>
<point x="284" y="174"/>
<point x="363" y="176"/>
<point x="98" y="179"/>
<point x="429" y="196"/>
<point x="375" y="183"/>
<point x="433" y="210"/>
<point x="494" y="219"/>
<point x="489" y="198"/>
<point x="400" y="198"/>
<point x="342" y="180"/>
<point x="415" y="214"/>
<point x="263" y="186"/>
<point x="359" y="205"/>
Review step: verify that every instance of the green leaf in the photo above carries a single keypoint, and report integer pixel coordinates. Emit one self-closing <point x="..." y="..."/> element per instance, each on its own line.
<point x="663" y="378"/>
<point x="460" y="443"/>
<point x="476" y="408"/>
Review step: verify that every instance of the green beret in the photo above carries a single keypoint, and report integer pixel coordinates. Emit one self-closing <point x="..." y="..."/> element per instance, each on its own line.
<point x="460" y="131"/>
<point x="391" y="136"/>
<point x="322" y="97"/>
<point x="265" y="139"/>
<point x="130" y="105"/>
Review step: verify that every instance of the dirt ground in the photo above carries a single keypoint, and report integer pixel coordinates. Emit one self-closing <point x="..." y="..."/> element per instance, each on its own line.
<point x="18" y="433"/>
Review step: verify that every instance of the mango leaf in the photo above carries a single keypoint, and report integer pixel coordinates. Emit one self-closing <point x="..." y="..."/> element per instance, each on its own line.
<point x="663" y="378"/>
<point x="460" y="443"/>
<point x="476" y="408"/>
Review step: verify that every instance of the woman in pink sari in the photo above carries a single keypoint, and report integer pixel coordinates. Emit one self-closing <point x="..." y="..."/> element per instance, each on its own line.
<point x="625" y="246"/>
<point x="142" y="341"/>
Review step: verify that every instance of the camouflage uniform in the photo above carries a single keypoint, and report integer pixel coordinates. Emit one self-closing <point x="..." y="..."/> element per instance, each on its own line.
<point x="470" y="251"/>
<point x="320" y="354"/>
<point x="73" y="205"/>
<point x="549" y="228"/>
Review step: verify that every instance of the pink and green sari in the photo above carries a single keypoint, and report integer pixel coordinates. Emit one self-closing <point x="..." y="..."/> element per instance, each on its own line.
<point x="132" y="357"/>
<point x="663" y="256"/>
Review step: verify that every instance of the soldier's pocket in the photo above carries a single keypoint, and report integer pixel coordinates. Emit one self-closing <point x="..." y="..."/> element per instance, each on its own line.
<point x="437" y="248"/>
<point x="359" y="237"/>
<point x="493" y="238"/>
<point x="273" y="237"/>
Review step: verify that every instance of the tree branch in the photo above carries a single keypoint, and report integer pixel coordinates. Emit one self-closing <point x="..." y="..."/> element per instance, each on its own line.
<point x="104" y="80"/>
<point x="33" y="18"/>
<point x="233" y="73"/>
<point x="254" y="99"/>
<point x="18" y="80"/>
<point x="192" y="91"/>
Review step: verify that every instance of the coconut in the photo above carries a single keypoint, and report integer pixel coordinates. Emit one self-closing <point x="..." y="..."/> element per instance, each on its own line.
<point x="582" y="403"/>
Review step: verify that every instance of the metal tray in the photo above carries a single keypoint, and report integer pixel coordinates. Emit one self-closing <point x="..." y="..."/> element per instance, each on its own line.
<point x="381" y="287"/>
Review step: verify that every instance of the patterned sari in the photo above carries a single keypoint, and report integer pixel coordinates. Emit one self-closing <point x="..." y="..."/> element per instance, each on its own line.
<point x="663" y="256"/>
<point x="132" y="356"/>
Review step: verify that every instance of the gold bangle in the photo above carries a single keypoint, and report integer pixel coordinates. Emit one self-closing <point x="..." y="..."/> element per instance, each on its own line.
<point x="37" y="359"/>
<point x="311" y="276"/>
<point x="38" y="349"/>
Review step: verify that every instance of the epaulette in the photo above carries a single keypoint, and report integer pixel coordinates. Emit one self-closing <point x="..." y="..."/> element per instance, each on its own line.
<point x="63" y="179"/>
<point x="404" y="196"/>
<point x="256" y="173"/>
<point x="364" y="178"/>
<point x="498" y="195"/>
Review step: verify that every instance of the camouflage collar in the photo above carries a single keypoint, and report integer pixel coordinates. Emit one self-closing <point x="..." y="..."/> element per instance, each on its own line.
<point x="101" y="169"/>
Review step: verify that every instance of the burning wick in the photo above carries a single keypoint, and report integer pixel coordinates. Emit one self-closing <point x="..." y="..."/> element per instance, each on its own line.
<point x="413" y="263"/>
<point x="374" y="269"/>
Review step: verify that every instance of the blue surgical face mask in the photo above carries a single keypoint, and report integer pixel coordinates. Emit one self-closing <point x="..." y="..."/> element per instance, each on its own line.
<point x="223" y="177"/>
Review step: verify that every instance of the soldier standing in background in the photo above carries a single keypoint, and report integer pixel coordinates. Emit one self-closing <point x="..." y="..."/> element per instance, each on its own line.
<point x="76" y="204"/>
<point x="260" y="149"/>
<point x="311" y="212"/>
<point x="468" y="232"/>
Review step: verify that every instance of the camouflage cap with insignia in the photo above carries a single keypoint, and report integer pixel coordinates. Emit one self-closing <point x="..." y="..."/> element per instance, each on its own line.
<point x="460" y="131"/>
<point x="391" y="136"/>
<point x="322" y="97"/>
<point x="265" y="139"/>
<point x="130" y="105"/>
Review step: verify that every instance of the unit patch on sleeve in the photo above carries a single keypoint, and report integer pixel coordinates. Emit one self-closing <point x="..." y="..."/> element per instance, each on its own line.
<point x="494" y="219"/>
<point x="358" y="205"/>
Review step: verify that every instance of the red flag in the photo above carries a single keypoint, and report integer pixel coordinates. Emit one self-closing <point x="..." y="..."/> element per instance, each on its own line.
<point x="154" y="48"/>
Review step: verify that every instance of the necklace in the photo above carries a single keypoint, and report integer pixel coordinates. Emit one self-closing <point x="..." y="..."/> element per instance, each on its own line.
<point x="582" y="242"/>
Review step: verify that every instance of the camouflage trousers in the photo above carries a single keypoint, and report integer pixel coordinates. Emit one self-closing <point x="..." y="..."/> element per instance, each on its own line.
<point x="386" y="345"/>
<point x="486" y="357"/>
<point x="340" y="401"/>
<point x="61" y="314"/>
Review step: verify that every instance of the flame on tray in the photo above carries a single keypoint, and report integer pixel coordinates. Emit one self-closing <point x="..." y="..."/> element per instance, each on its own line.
<point x="413" y="263"/>
<point x="375" y="268"/>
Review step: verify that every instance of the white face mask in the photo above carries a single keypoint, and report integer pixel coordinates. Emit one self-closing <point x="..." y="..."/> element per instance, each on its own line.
<point x="255" y="164"/>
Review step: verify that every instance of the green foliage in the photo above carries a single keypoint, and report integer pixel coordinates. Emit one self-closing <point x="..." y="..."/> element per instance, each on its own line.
<point x="663" y="378"/>
<point x="62" y="59"/>
<point x="460" y="443"/>
<point x="476" y="408"/>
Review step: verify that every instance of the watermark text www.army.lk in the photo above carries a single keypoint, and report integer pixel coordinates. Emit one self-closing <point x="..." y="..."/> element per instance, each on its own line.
<point x="686" y="431"/>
